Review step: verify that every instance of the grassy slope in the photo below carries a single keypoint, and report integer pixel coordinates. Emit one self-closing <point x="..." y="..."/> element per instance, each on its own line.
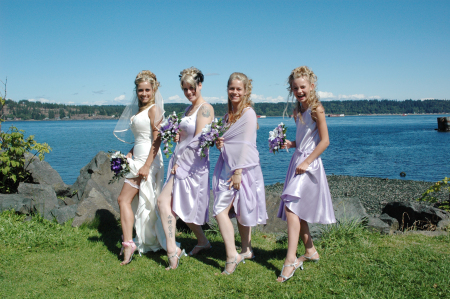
<point x="43" y="259"/>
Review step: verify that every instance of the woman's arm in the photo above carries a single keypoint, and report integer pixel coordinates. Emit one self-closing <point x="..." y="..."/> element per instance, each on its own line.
<point x="324" y="140"/>
<point x="291" y="144"/>
<point x="155" y="144"/>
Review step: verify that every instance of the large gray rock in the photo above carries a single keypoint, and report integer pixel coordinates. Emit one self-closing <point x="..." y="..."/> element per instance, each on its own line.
<point x="97" y="175"/>
<point x="90" y="206"/>
<point x="43" y="198"/>
<point x="17" y="202"/>
<point x="43" y="173"/>
<point x="273" y="224"/>
<point x="63" y="214"/>
<point x="414" y="214"/>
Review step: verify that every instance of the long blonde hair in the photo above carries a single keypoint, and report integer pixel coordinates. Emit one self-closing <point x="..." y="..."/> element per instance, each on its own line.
<point x="313" y="99"/>
<point x="233" y="116"/>
<point x="146" y="76"/>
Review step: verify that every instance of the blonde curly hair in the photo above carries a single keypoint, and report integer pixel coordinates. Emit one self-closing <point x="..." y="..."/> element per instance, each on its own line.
<point x="146" y="76"/>
<point x="233" y="116"/>
<point x="193" y="76"/>
<point x="313" y="99"/>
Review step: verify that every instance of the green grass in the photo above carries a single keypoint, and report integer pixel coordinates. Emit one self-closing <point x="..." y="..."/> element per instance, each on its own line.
<point x="43" y="259"/>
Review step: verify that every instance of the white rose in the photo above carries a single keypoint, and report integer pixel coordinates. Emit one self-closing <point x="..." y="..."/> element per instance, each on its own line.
<point x="206" y="129"/>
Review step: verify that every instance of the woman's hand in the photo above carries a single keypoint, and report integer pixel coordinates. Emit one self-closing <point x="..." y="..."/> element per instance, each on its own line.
<point x="129" y="155"/>
<point x="177" y="138"/>
<point x="288" y="144"/>
<point x="235" y="180"/>
<point x="302" y="167"/>
<point x="219" y="143"/>
<point x="143" y="172"/>
<point x="174" y="169"/>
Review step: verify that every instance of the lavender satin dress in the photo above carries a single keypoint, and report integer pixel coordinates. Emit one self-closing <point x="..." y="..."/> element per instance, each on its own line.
<point x="307" y="195"/>
<point x="239" y="152"/>
<point x="191" y="181"/>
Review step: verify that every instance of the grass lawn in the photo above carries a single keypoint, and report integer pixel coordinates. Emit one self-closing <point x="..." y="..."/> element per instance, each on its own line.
<point x="41" y="259"/>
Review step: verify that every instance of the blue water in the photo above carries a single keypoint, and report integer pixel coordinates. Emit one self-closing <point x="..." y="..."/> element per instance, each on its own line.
<point x="370" y="146"/>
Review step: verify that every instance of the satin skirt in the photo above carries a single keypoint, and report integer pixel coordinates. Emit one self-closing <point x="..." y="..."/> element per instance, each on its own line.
<point x="249" y="205"/>
<point x="149" y="231"/>
<point x="307" y="195"/>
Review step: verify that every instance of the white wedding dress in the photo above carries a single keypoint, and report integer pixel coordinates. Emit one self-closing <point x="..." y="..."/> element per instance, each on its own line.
<point x="149" y="231"/>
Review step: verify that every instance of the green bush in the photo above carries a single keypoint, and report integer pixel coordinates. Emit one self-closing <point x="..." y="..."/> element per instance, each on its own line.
<point x="12" y="158"/>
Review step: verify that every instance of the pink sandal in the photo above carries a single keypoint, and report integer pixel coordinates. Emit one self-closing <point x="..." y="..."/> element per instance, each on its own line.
<point x="133" y="248"/>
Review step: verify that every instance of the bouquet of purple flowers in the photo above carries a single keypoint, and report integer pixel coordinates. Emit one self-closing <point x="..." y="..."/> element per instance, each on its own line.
<point x="277" y="138"/>
<point x="119" y="165"/>
<point x="210" y="134"/>
<point x="169" y="129"/>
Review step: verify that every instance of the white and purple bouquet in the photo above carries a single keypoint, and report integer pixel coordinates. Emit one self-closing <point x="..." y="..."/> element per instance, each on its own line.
<point x="168" y="130"/>
<point x="119" y="165"/>
<point x="277" y="138"/>
<point x="210" y="134"/>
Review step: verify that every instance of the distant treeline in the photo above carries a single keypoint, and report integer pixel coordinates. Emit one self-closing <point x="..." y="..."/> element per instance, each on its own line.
<point x="36" y="110"/>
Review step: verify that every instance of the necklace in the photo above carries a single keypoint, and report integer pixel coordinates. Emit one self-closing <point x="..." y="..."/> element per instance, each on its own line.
<point x="193" y="108"/>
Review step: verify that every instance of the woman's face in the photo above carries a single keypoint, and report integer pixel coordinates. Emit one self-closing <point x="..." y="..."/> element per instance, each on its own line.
<point x="301" y="88"/>
<point x="236" y="92"/>
<point x="144" y="92"/>
<point x="192" y="93"/>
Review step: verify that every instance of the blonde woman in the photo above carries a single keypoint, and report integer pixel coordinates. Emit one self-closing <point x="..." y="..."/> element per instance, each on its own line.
<point x="238" y="184"/>
<point x="306" y="196"/>
<point x="140" y="121"/>
<point x="186" y="191"/>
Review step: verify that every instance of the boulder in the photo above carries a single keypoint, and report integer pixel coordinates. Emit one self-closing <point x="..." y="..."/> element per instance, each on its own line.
<point x="65" y="213"/>
<point x="390" y="221"/>
<point x="273" y="224"/>
<point x="376" y="224"/>
<point x="43" y="173"/>
<point x="21" y="204"/>
<point x="43" y="198"/>
<point x="414" y="214"/>
<point x="93" y="202"/>
<point x="97" y="174"/>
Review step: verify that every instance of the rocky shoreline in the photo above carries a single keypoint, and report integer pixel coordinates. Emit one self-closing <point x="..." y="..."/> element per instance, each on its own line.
<point x="374" y="193"/>
<point x="383" y="203"/>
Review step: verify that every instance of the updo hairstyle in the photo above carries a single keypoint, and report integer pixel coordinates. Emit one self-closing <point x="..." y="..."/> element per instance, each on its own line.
<point x="146" y="76"/>
<point x="193" y="76"/>
<point x="233" y="116"/>
<point x="313" y="99"/>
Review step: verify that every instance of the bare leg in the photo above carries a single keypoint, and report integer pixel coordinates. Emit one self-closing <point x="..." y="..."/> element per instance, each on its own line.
<point x="307" y="241"/>
<point x="227" y="230"/>
<point x="168" y="221"/>
<point x="125" y="198"/>
<point x="293" y="224"/>
<point x="246" y="240"/>
<point x="200" y="235"/>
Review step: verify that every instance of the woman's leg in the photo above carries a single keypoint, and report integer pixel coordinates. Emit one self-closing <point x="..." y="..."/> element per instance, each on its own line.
<point x="293" y="224"/>
<point x="202" y="241"/>
<point x="307" y="241"/>
<point x="227" y="230"/>
<point x="246" y="240"/>
<point x="168" y="221"/>
<point x="126" y="214"/>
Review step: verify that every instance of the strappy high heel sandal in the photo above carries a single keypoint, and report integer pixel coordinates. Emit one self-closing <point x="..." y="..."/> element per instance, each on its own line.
<point x="182" y="253"/>
<point x="310" y="258"/>
<point x="133" y="249"/>
<point x="233" y="262"/>
<point x="204" y="247"/>
<point x="286" y="278"/>
<point x="247" y="255"/>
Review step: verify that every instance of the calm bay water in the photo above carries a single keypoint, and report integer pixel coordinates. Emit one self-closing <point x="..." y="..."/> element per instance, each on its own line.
<point x="370" y="146"/>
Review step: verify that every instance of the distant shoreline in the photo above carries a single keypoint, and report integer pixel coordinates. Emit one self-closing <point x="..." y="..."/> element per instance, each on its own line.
<point x="116" y="118"/>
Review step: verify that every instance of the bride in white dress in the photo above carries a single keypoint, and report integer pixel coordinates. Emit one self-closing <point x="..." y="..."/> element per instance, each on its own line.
<point x="141" y="120"/>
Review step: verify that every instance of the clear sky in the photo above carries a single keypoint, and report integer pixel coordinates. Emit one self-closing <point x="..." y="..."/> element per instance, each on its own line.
<point x="89" y="52"/>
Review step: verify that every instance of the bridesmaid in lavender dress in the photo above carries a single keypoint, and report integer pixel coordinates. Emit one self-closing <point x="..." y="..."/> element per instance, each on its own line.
<point x="238" y="184"/>
<point x="186" y="191"/>
<point x="306" y="197"/>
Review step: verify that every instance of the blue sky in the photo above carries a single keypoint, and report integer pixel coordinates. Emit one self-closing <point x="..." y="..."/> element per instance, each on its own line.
<point x="89" y="52"/>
